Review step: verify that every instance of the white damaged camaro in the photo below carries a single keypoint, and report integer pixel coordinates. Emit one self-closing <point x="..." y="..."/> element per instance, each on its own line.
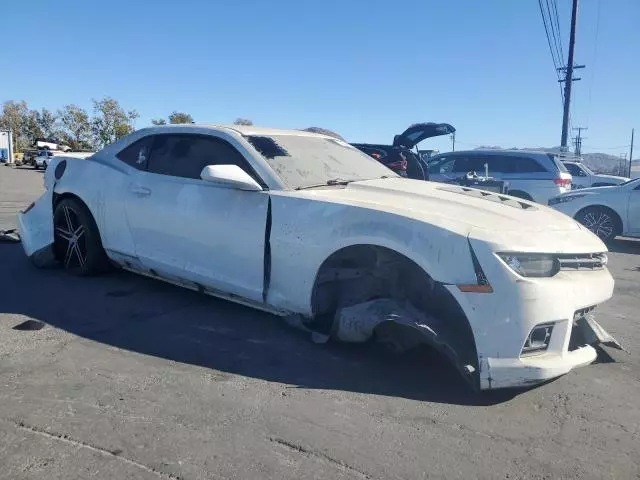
<point x="307" y="227"/>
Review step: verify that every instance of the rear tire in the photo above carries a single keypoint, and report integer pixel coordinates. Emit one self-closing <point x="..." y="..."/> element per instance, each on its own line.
<point x="77" y="243"/>
<point x="602" y="221"/>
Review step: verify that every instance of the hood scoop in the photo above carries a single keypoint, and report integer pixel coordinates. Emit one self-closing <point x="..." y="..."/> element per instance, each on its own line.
<point x="492" y="197"/>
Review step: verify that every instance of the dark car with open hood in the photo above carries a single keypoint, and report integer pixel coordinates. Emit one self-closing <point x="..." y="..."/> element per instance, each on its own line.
<point x="399" y="156"/>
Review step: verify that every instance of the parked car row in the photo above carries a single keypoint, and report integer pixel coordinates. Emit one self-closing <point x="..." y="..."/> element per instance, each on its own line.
<point x="399" y="157"/>
<point x="41" y="159"/>
<point x="308" y="227"/>
<point x="531" y="175"/>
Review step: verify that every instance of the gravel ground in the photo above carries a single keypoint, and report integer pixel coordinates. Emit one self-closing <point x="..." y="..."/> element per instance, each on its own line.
<point x="134" y="378"/>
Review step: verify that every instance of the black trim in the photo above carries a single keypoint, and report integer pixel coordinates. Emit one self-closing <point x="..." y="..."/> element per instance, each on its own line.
<point x="59" y="171"/>
<point x="267" y="254"/>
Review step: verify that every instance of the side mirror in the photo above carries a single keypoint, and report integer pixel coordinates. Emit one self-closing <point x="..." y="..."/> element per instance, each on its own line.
<point x="229" y="176"/>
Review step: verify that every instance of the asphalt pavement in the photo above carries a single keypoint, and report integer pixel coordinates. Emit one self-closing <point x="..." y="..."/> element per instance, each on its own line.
<point x="134" y="378"/>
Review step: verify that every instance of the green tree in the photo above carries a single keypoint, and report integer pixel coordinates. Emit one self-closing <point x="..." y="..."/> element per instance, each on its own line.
<point x="76" y="127"/>
<point x="242" y="121"/>
<point x="111" y="121"/>
<point x="180" y="117"/>
<point x="47" y="122"/>
<point x="158" y="121"/>
<point x="31" y="128"/>
<point x="14" y="117"/>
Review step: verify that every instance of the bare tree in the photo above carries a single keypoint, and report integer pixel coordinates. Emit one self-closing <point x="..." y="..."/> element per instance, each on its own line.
<point x="158" y="121"/>
<point x="242" y="121"/>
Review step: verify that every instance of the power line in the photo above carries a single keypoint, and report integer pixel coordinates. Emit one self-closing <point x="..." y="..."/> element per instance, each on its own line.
<point x="557" y="18"/>
<point x="555" y="33"/>
<point x="556" y="61"/>
<point x="546" y="31"/>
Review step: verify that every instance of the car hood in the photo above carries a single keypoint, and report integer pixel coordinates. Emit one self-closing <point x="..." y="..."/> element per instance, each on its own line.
<point x="612" y="178"/>
<point x="590" y="190"/>
<point x="445" y="204"/>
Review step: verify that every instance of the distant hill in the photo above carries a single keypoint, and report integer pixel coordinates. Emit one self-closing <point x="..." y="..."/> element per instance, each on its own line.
<point x="598" y="162"/>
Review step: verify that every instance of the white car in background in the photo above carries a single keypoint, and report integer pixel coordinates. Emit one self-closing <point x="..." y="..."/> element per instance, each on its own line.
<point x="41" y="161"/>
<point x="606" y="211"/>
<point x="44" y="157"/>
<point x="531" y="175"/>
<point x="307" y="227"/>
<point x="583" y="177"/>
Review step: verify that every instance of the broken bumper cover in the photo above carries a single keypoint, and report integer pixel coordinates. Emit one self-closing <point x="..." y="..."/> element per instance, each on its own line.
<point x="522" y="372"/>
<point x="36" y="231"/>
<point x="503" y="321"/>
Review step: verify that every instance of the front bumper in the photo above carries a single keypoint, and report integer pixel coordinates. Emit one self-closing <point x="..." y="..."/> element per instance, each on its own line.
<point x="501" y="321"/>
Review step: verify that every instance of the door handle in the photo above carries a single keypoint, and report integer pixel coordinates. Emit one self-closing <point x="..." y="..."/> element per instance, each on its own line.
<point x="140" y="191"/>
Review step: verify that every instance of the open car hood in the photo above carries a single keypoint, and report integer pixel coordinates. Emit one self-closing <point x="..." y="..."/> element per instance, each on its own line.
<point x="419" y="131"/>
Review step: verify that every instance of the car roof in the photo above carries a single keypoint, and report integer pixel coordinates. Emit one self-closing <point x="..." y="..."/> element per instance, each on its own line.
<point x="241" y="129"/>
<point x="506" y="153"/>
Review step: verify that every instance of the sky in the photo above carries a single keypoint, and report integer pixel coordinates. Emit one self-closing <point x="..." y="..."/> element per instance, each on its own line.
<point x="366" y="69"/>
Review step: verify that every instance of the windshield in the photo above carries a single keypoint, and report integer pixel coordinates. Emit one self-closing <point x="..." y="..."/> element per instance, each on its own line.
<point x="306" y="161"/>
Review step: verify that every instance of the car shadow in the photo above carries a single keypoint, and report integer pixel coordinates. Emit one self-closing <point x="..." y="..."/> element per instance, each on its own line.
<point x="153" y="318"/>
<point x="625" y="245"/>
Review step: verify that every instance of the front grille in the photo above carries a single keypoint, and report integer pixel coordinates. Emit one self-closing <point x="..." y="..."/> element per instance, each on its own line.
<point x="589" y="261"/>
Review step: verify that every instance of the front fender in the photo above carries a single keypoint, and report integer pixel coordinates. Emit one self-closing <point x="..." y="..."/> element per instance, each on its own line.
<point x="305" y="233"/>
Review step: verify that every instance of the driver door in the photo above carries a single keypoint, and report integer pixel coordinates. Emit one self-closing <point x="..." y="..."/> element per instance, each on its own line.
<point x="202" y="233"/>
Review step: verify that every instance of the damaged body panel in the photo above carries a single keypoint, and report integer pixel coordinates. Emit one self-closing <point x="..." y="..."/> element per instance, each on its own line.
<point x="311" y="229"/>
<point x="36" y="231"/>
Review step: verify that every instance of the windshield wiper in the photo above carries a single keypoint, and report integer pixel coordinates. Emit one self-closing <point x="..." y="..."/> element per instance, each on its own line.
<point x="331" y="182"/>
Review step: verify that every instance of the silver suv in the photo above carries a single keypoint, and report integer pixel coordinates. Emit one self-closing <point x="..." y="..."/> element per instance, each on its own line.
<point x="536" y="176"/>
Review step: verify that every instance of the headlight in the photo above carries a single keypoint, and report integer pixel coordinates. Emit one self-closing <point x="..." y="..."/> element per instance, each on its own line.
<point x="531" y="264"/>
<point x="565" y="199"/>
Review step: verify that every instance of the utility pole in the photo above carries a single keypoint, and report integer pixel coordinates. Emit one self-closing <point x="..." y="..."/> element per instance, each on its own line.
<point x="453" y="142"/>
<point x="578" y="140"/>
<point x="631" y="153"/>
<point x="568" y="79"/>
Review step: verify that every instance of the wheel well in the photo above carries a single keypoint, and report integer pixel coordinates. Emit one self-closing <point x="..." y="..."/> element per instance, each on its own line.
<point x="360" y="273"/>
<point x="611" y="211"/>
<point x="58" y="197"/>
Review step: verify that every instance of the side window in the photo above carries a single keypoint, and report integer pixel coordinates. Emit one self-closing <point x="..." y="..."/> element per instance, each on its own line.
<point x="500" y="164"/>
<point x="470" y="163"/>
<point x="441" y="165"/>
<point x="137" y="154"/>
<point x="574" y="170"/>
<point x="186" y="155"/>
<point x="527" y="165"/>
